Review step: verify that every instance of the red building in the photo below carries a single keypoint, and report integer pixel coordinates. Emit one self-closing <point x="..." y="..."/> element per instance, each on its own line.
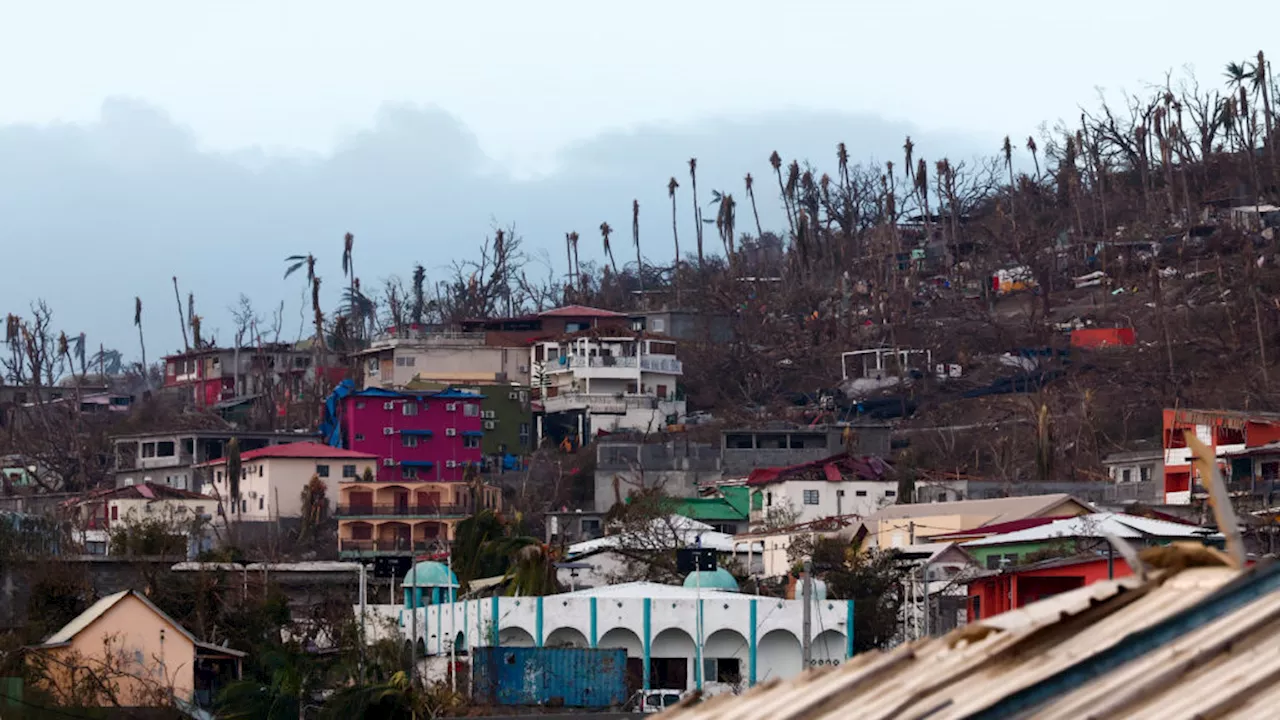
<point x="1247" y="445"/>
<point x="214" y="375"/>
<point x="417" y="436"/>
<point x="1001" y="592"/>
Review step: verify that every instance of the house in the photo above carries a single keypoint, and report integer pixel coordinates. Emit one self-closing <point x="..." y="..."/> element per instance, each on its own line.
<point x="272" y="479"/>
<point x="1004" y="589"/>
<point x="556" y="322"/>
<point x="726" y="509"/>
<point x="744" y="450"/>
<point x="832" y="487"/>
<point x="746" y="639"/>
<point x="775" y="543"/>
<point x="506" y="416"/>
<point x="1079" y="534"/>
<point x="407" y="516"/>
<point x="442" y="357"/>
<point x="660" y="535"/>
<point x="183" y="514"/>
<point x="604" y="381"/>
<point x="210" y="375"/>
<point x="675" y="463"/>
<point x="897" y="526"/>
<point x="428" y="435"/>
<point x="172" y="458"/>
<point x="684" y="325"/>
<point x="1241" y="440"/>
<point x="132" y="655"/>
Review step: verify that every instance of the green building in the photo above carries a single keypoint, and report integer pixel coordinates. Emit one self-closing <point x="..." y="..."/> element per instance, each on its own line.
<point x="729" y="512"/>
<point x="506" y="413"/>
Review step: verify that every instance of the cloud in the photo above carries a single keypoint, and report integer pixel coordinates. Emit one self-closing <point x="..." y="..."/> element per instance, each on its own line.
<point x="95" y="214"/>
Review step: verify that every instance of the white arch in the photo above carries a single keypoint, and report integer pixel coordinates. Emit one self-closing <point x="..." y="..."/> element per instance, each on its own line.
<point x="566" y="637"/>
<point x="778" y="655"/>
<point x="727" y="644"/>
<point x="674" y="642"/>
<point x="829" y="646"/>
<point x="514" y="636"/>
<point x="624" y="639"/>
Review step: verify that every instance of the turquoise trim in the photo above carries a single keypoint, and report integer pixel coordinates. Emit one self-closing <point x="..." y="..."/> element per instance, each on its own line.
<point x="593" y="623"/>
<point x="848" y="636"/>
<point x="751" y="657"/>
<point x="697" y="650"/>
<point x="493" y="631"/>
<point x="537" y="622"/>
<point x="647" y="627"/>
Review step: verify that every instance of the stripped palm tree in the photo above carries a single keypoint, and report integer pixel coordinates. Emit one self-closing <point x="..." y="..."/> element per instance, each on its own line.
<point x="577" y="259"/>
<point x="1008" y="159"/>
<point x="635" y="237"/>
<point x="195" y="331"/>
<point x="908" y="150"/>
<point x="1031" y="147"/>
<point x="182" y="321"/>
<point x="418" y="311"/>
<point x="775" y="161"/>
<point x="751" y="195"/>
<point x="142" y="344"/>
<point x="697" y="212"/>
<point x="605" y="231"/>
<point x="726" y="216"/>
<point x="349" y="268"/>
<point x="672" y="186"/>
<point x="317" y="315"/>
<point x="568" y="251"/>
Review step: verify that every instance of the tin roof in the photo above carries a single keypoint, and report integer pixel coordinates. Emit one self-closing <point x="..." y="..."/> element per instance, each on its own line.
<point x="1098" y="525"/>
<point x="1198" y="641"/>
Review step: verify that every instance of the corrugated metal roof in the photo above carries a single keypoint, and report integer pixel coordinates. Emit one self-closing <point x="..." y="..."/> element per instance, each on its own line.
<point x="1098" y="525"/>
<point x="1199" y="642"/>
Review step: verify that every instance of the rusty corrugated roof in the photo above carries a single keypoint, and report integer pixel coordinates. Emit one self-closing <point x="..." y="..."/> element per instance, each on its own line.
<point x="1195" y="642"/>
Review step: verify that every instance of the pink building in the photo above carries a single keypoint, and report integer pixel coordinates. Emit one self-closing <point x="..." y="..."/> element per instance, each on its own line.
<point x="417" y="436"/>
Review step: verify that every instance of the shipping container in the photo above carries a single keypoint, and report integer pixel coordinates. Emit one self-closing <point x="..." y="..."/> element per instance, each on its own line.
<point x="557" y="677"/>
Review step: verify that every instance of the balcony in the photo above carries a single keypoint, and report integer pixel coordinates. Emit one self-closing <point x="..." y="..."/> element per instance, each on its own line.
<point x="599" y="403"/>
<point x="612" y="366"/>
<point x="402" y="511"/>
<point x="398" y="546"/>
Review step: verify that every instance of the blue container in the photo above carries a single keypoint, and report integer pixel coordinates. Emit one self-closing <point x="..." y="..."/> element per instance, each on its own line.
<point x="557" y="677"/>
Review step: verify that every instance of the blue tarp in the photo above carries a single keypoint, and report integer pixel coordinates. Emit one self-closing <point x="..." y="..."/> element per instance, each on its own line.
<point x="417" y="463"/>
<point x="331" y="424"/>
<point x="422" y="433"/>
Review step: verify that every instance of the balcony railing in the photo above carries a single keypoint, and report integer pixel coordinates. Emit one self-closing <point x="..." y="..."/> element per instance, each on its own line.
<point x="393" y="510"/>
<point x="599" y="402"/>
<point x="394" y="545"/>
<point x="651" y="363"/>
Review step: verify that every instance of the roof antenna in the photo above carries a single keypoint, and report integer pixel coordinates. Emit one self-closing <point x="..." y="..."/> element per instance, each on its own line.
<point x="1223" y="513"/>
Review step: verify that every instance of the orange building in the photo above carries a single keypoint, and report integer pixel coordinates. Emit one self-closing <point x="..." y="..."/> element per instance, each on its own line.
<point x="1246" y="444"/>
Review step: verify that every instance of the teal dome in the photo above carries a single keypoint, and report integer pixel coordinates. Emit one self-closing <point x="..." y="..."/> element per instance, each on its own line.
<point x="718" y="579"/>
<point x="430" y="574"/>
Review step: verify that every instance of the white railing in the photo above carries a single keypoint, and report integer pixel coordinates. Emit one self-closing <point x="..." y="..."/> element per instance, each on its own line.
<point x="651" y="363"/>
<point x="599" y="402"/>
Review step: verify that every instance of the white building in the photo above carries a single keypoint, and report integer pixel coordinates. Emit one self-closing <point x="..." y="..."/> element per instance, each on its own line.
<point x="272" y="478"/>
<point x="180" y="512"/>
<point x="834" y="487"/>
<point x="607" y="383"/>
<point x="746" y="639"/>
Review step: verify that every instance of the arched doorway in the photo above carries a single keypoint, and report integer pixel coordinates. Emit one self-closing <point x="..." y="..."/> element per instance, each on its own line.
<point x="566" y="637"/>
<point x="725" y="657"/>
<point x="514" y="637"/>
<point x="671" y="660"/>
<point x="627" y="640"/>
<point x="828" y="648"/>
<point x="778" y="655"/>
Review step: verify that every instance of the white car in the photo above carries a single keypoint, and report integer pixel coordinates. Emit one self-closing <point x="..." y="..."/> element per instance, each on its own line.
<point x="657" y="700"/>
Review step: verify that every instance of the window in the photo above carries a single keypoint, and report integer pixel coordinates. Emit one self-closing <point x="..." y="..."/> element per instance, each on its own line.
<point x="115" y="512"/>
<point x="524" y="428"/>
<point x="1126" y="475"/>
<point x="860" y="493"/>
<point x="408" y="473"/>
<point x="260" y="470"/>
<point x="470" y="441"/>
<point x="164" y="448"/>
<point x="405" y="361"/>
<point x="890" y="493"/>
<point x="409" y="408"/>
<point x="1144" y="472"/>
<point x="261" y="503"/>
<point x="359" y="437"/>
<point x="768" y="499"/>
<point x="322" y="471"/>
<point x="359" y="404"/>
<point x="470" y="410"/>
<point x="722" y="670"/>
<point x="659" y="325"/>
<point x="810" y="497"/>
<point x="408" y="440"/>
<point x="219" y="476"/>
<point x="148" y="450"/>
<point x="96" y="548"/>
<point x="244" y="506"/>
<point x="348" y="471"/>
<point x="1000" y="562"/>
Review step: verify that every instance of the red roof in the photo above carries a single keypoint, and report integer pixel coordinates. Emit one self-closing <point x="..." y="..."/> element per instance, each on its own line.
<point x="580" y="311"/>
<point x="998" y="528"/>
<point x="145" y="490"/>
<point x="836" y="468"/>
<point x="303" y="450"/>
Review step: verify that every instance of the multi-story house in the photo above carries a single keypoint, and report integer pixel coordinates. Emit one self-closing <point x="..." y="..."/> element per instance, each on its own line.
<point x="506" y="416"/>
<point x="171" y="458"/>
<point x="592" y="382"/>
<point x="490" y="351"/>
<point x="181" y="512"/>
<point x="833" y="487"/>
<point x="425" y="443"/>
<point x="1245" y="443"/>
<point x="272" y="479"/>
<point x="212" y="375"/>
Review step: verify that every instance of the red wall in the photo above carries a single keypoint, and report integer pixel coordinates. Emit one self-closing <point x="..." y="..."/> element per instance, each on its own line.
<point x="1101" y="337"/>
<point x="365" y="418"/>
<point x="1008" y="591"/>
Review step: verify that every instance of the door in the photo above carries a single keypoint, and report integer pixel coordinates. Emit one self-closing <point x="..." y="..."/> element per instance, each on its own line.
<point x="361" y="501"/>
<point x="402" y="503"/>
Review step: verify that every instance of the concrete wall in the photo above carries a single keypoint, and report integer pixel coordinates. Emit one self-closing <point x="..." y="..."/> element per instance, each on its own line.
<point x="676" y="483"/>
<point x="763" y="632"/>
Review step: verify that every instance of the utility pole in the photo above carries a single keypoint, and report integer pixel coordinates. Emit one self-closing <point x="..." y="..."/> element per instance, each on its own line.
<point x="413" y="602"/>
<point x="364" y="577"/>
<point x="453" y="625"/>
<point x="806" y="631"/>
<point x="924" y="582"/>
<point x="697" y="594"/>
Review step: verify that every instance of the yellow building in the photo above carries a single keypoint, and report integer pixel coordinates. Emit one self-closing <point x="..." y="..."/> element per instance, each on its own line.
<point x="397" y="518"/>
<point x="125" y="652"/>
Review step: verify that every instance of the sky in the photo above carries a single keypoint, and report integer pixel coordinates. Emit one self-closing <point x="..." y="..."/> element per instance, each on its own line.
<point x="140" y="140"/>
